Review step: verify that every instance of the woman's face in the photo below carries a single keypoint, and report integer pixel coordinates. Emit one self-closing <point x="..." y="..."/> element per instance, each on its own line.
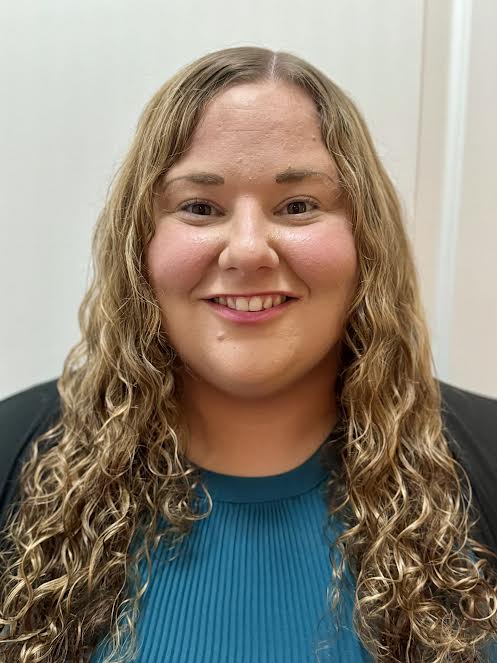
<point x="253" y="233"/>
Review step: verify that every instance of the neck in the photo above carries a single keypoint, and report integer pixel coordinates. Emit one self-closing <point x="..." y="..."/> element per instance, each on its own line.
<point x="259" y="436"/>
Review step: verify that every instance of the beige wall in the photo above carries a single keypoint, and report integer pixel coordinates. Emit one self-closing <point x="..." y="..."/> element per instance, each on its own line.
<point x="474" y="341"/>
<point x="455" y="230"/>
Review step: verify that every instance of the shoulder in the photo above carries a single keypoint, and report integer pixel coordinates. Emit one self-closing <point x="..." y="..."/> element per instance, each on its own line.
<point x="470" y="420"/>
<point x="23" y="416"/>
<point x="21" y="408"/>
<point x="470" y="409"/>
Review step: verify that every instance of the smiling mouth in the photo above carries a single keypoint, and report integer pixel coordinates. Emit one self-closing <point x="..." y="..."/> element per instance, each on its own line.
<point x="285" y="300"/>
<point x="250" y="317"/>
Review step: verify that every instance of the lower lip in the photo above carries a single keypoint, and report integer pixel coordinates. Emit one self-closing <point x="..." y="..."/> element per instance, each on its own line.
<point x="250" y="316"/>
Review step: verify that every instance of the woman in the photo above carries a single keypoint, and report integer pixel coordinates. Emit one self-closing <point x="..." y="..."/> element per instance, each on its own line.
<point x="249" y="433"/>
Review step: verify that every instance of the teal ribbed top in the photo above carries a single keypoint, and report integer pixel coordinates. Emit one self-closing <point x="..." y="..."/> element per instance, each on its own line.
<point x="250" y="583"/>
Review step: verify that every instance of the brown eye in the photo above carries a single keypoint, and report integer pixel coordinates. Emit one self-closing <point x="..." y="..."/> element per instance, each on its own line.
<point x="298" y="206"/>
<point x="199" y="206"/>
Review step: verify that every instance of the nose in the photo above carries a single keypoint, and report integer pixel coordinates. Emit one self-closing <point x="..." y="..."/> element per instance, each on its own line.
<point x="248" y="242"/>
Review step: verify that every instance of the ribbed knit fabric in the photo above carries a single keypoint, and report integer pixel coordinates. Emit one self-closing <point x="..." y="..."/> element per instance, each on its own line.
<point x="250" y="583"/>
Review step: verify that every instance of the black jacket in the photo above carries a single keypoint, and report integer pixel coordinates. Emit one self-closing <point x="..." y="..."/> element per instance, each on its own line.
<point x="470" y="422"/>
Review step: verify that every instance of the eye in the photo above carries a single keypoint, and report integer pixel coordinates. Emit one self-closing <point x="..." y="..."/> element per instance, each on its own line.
<point x="202" y="205"/>
<point x="296" y="205"/>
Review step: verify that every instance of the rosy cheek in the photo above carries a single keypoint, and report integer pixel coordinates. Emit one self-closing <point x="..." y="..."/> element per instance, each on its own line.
<point x="174" y="262"/>
<point x="326" y="255"/>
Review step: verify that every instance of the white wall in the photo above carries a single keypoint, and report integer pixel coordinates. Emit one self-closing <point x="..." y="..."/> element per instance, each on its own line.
<point x="75" y="77"/>
<point x="455" y="229"/>
<point x="473" y="357"/>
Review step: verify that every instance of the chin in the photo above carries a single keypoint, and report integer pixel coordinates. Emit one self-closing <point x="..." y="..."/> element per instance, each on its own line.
<point x="260" y="387"/>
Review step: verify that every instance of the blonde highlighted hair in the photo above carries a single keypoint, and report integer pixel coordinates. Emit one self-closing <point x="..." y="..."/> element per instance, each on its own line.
<point x="97" y="485"/>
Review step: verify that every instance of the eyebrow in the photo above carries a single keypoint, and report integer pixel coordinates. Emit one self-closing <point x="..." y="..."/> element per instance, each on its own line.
<point x="288" y="175"/>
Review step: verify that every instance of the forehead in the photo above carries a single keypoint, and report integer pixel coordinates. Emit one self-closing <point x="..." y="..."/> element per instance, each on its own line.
<point x="259" y="124"/>
<point x="271" y="102"/>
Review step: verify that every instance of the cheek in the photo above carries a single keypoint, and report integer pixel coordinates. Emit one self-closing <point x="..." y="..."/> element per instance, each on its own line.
<point x="326" y="257"/>
<point x="174" y="261"/>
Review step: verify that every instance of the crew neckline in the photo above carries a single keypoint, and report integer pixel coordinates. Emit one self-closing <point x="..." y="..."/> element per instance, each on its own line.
<point x="241" y="489"/>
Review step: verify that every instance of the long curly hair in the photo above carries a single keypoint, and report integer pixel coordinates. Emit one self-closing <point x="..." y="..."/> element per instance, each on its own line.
<point x="110" y="480"/>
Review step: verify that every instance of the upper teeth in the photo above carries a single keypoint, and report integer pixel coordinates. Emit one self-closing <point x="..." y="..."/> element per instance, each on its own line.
<point x="251" y="303"/>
